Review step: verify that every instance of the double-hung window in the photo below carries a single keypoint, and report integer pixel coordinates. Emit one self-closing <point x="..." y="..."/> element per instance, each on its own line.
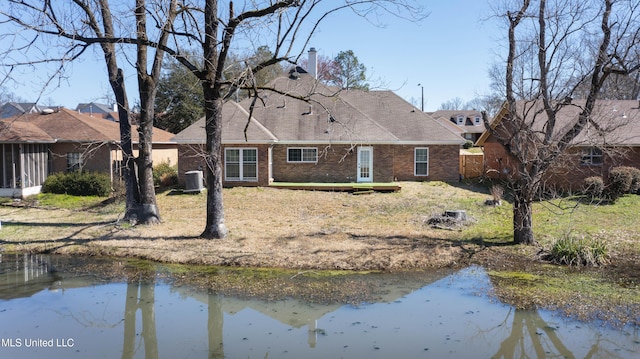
<point x="74" y="161"/>
<point x="591" y="156"/>
<point x="421" y="161"/>
<point x="241" y="164"/>
<point x="304" y="154"/>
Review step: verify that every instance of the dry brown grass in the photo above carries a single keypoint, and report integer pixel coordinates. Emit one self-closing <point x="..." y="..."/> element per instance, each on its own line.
<point x="267" y="227"/>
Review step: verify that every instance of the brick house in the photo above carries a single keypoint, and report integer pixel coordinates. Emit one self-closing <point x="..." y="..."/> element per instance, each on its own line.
<point x="338" y="136"/>
<point x="34" y="145"/>
<point x="611" y="139"/>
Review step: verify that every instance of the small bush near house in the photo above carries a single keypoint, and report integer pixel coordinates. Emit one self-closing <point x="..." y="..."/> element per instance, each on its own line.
<point x="635" y="179"/>
<point x="165" y="175"/>
<point x="78" y="184"/>
<point x="593" y="187"/>
<point x="467" y="145"/>
<point x="578" y="251"/>
<point x="619" y="182"/>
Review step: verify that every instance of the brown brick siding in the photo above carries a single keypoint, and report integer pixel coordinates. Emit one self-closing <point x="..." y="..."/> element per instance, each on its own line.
<point x="95" y="159"/>
<point x="443" y="163"/>
<point x="337" y="163"/>
<point x="568" y="174"/>
<point x="191" y="158"/>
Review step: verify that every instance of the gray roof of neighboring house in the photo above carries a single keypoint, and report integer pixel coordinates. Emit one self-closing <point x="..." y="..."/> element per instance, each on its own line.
<point x="302" y="110"/>
<point x="469" y="116"/>
<point x="10" y="109"/>
<point x="614" y="122"/>
<point x="105" y="111"/>
<point x="94" y="107"/>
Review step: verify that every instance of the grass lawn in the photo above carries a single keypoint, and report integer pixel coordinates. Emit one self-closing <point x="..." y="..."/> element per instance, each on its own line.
<point x="303" y="230"/>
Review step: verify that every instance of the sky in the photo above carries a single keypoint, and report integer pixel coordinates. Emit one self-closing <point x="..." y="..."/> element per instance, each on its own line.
<point x="448" y="55"/>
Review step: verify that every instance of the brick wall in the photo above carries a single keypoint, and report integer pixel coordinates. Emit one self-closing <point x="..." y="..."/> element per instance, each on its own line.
<point x="444" y="163"/>
<point x="568" y="173"/>
<point x="96" y="158"/>
<point x="338" y="163"/>
<point x="191" y="158"/>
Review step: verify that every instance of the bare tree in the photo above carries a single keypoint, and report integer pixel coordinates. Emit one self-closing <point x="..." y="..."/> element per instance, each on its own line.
<point x="74" y="28"/>
<point x="551" y="43"/>
<point x="284" y="26"/>
<point x="454" y="104"/>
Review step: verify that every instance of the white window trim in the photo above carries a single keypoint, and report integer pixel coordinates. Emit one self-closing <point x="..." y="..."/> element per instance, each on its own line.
<point x="415" y="162"/>
<point x="478" y="121"/>
<point x="241" y="163"/>
<point x="302" y="155"/>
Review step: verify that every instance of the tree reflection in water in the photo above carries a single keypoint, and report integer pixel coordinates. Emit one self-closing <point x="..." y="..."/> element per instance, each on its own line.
<point x="439" y="316"/>
<point x="140" y="296"/>
<point x="532" y="334"/>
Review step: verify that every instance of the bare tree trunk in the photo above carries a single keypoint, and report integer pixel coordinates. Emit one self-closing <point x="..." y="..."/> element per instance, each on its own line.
<point x="132" y="195"/>
<point x="522" y="219"/>
<point x="215" y="226"/>
<point x="148" y="212"/>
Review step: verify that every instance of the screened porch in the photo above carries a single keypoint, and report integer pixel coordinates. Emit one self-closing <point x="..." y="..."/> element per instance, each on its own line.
<point x="23" y="168"/>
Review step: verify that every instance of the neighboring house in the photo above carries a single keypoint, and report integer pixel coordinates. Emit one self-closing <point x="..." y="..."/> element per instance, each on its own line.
<point x="34" y="145"/>
<point x="99" y="110"/>
<point x="611" y="139"/>
<point x="10" y="109"/>
<point x="467" y="123"/>
<point x="338" y="136"/>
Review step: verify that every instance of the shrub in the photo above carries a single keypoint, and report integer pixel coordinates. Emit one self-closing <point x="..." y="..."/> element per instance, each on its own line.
<point x="635" y="179"/>
<point x="165" y="175"/>
<point x="619" y="182"/>
<point x="78" y="184"/>
<point x="593" y="187"/>
<point x="467" y="145"/>
<point x="573" y="250"/>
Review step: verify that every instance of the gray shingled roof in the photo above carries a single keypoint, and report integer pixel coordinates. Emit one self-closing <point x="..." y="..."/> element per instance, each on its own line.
<point x="614" y="122"/>
<point x="469" y="125"/>
<point x="234" y="120"/>
<point x="329" y="116"/>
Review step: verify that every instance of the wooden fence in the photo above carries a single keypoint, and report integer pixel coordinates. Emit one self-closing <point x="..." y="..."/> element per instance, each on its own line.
<point x="471" y="164"/>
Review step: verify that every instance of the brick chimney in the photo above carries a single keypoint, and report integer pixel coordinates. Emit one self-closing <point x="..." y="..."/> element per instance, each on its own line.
<point x="313" y="62"/>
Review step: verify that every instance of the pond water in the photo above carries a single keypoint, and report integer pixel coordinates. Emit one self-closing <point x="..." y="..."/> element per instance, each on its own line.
<point x="51" y="309"/>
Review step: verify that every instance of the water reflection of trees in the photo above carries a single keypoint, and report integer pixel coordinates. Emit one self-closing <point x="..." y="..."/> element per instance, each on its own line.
<point x="532" y="334"/>
<point x="141" y="296"/>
